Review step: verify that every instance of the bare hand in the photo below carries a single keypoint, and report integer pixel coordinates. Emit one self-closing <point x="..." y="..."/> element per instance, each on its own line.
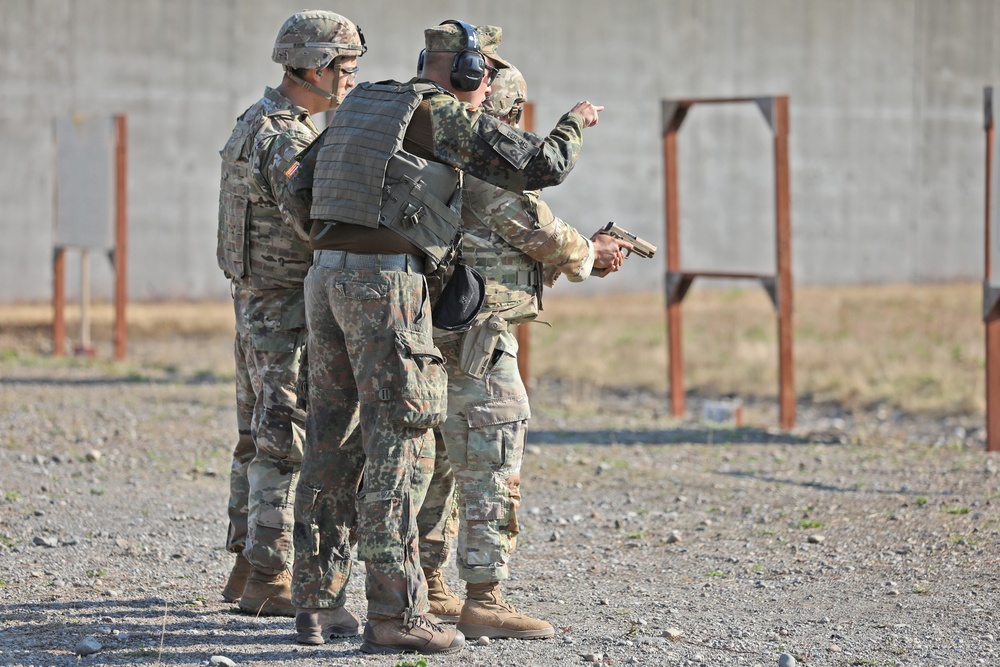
<point x="608" y="253"/>
<point x="588" y="112"/>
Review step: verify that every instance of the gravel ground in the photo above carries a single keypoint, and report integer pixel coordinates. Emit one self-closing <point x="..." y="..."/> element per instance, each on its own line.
<point x="869" y="538"/>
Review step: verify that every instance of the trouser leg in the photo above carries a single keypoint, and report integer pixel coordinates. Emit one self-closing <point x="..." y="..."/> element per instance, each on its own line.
<point x="243" y="453"/>
<point x="332" y="462"/>
<point x="485" y="435"/>
<point x="437" y="520"/>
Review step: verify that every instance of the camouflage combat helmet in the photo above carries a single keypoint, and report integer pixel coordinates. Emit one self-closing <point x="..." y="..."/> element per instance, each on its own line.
<point x="508" y="93"/>
<point x="312" y="39"/>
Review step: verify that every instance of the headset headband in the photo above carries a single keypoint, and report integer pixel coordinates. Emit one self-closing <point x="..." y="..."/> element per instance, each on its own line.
<point x="471" y="36"/>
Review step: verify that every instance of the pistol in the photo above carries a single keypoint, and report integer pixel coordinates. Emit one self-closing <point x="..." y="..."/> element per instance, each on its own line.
<point x="640" y="247"/>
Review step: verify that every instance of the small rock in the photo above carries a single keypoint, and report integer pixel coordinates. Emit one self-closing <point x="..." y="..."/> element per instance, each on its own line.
<point x="605" y="601"/>
<point x="94" y="455"/>
<point x="554" y="537"/>
<point x="69" y="541"/>
<point x="87" y="646"/>
<point x="39" y="512"/>
<point x="593" y="657"/>
<point x="816" y="539"/>
<point x="674" y="537"/>
<point x="49" y="542"/>
<point x="834" y="648"/>
<point x="534" y="450"/>
<point x="483" y="641"/>
<point x="673" y="634"/>
<point x="892" y="592"/>
<point x="221" y="660"/>
<point x="786" y="660"/>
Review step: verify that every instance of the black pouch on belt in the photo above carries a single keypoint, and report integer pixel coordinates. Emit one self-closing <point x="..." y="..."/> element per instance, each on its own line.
<point x="461" y="299"/>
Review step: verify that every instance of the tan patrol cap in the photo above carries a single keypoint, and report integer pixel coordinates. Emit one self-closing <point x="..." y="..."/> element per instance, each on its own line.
<point x="450" y="38"/>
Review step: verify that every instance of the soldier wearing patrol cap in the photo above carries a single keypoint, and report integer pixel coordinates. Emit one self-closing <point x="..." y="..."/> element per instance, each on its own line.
<point x="381" y="189"/>
<point x="510" y="238"/>
<point x="266" y="258"/>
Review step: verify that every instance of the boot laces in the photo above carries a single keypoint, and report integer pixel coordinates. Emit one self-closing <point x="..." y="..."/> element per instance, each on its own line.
<point x="423" y="623"/>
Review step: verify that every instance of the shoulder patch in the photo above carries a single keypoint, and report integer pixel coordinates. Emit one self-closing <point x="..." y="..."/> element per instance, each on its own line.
<point x="511" y="144"/>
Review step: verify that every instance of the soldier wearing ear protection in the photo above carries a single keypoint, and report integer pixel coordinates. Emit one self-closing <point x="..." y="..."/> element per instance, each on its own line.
<point x="381" y="189"/>
<point x="266" y="258"/>
<point x="507" y="237"/>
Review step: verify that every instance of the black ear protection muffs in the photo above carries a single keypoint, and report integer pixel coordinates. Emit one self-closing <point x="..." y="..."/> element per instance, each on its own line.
<point x="420" y="61"/>
<point x="469" y="66"/>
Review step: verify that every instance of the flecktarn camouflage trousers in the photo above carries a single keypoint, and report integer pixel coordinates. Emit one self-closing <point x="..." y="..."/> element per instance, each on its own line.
<point x="270" y="337"/>
<point x="372" y="363"/>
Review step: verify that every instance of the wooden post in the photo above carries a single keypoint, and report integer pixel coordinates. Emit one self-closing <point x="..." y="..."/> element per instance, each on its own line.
<point x="121" y="233"/>
<point x="674" y="319"/>
<point x="782" y="211"/>
<point x="59" y="303"/>
<point x="84" y="348"/>
<point x="990" y="315"/>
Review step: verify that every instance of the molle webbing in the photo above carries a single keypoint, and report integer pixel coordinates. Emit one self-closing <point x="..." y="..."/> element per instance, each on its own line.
<point x="234" y="217"/>
<point x="514" y="280"/>
<point x="364" y="177"/>
<point x="350" y="169"/>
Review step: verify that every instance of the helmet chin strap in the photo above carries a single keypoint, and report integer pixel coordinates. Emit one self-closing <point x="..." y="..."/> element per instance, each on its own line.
<point x="334" y="100"/>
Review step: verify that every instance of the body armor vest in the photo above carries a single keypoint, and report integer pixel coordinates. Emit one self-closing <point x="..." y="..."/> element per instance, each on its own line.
<point x="364" y="177"/>
<point x="255" y="246"/>
<point x="513" y="279"/>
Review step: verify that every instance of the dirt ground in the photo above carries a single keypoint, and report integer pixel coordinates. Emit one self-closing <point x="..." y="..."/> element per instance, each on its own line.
<point x="865" y="536"/>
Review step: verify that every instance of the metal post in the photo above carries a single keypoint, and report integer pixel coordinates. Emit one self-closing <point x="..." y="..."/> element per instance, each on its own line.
<point x="782" y="211"/>
<point x="121" y="236"/>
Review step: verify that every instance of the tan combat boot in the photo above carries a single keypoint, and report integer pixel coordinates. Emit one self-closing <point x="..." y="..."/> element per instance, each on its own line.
<point x="237" y="579"/>
<point x="312" y="624"/>
<point x="268" y="594"/>
<point x="445" y="605"/>
<point x="392" y="635"/>
<point x="486" y="614"/>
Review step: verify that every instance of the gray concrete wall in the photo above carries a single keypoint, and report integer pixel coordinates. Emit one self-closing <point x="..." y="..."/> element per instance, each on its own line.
<point x="886" y="117"/>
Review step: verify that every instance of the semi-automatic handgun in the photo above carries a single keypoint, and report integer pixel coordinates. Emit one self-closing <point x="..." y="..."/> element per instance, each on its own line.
<point x="639" y="246"/>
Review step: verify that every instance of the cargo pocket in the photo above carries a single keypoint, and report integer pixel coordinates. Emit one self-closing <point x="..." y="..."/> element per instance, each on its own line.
<point x="494" y="429"/>
<point x="419" y="399"/>
<point x="306" y="529"/>
<point x="381" y="515"/>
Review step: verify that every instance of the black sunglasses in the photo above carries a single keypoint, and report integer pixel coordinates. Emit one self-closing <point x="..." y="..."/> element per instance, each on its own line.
<point x="491" y="73"/>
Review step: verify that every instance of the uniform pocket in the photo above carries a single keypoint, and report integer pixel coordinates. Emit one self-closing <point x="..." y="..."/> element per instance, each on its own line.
<point x="382" y="516"/>
<point x="419" y="397"/>
<point x="495" y="429"/>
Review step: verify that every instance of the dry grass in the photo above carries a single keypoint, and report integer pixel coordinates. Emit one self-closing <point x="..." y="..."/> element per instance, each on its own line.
<point x="916" y="347"/>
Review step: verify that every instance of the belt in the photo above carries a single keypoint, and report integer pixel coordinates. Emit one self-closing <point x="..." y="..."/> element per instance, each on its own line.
<point x="341" y="259"/>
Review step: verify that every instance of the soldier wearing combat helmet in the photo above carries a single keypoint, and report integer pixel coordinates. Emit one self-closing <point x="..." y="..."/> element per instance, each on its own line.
<point x="267" y="258"/>
<point x="381" y="189"/>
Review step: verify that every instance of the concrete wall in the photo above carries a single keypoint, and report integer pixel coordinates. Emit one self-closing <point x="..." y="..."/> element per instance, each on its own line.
<point x="886" y="117"/>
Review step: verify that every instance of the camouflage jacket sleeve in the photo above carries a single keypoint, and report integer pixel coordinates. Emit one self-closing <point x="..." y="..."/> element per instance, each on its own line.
<point x="501" y="154"/>
<point x="277" y="165"/>
<point x="298" y="200"/>
<point x="528" y="224"/>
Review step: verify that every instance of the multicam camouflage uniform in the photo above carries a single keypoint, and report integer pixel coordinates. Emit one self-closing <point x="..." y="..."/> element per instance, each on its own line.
<point x="372" y="358"/>
<point x="508" y="238"/>
<point x="267" y="262"/>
